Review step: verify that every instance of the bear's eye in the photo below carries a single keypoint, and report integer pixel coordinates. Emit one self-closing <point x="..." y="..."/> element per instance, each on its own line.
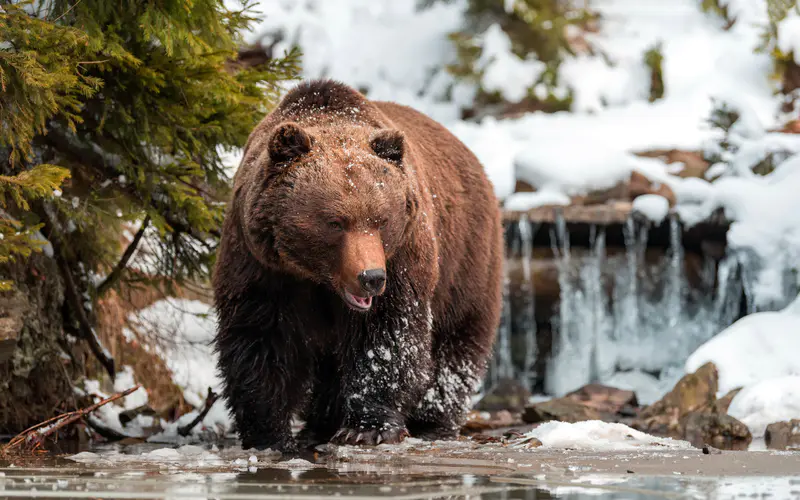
<point x="335" y="225"/>
<point x="383" y="223"/>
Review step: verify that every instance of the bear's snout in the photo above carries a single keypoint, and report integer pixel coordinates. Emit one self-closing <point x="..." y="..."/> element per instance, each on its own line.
<point x="362" y="271"/>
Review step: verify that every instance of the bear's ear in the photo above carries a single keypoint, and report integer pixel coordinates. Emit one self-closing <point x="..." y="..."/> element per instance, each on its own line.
<point x="288" y="141"/>
<point x="389" y="145"/>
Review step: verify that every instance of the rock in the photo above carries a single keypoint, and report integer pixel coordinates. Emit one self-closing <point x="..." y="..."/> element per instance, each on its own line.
<point x="606" y="400"/>
<point x="717" y="430"/>
<point x="507" y="394"/>
<point x="590" y="402"/>
<point x="523" y="187"/>
<point x="481" y="421"/>
<point x="692" y="392"/>
<point x="694" y="164"/>
<point x="561" y="409"/>
<point x="13" y="308"/>
<point x="722" y="404"/>
<point x="783" y="435"/>
<point x="692" y="412"/>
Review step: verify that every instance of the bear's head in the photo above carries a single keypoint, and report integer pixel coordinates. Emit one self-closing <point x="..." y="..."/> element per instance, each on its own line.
<point x="332" y="205"/>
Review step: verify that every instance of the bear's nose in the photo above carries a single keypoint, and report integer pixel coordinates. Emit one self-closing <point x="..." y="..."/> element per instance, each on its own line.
<point x="372" y="280"/>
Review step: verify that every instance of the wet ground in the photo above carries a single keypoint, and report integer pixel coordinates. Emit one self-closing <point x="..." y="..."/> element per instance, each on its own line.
<point x="413" y="470"/>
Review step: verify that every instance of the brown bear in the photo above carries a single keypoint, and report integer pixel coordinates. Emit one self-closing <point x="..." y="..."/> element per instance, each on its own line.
<point x="358" y="280"/>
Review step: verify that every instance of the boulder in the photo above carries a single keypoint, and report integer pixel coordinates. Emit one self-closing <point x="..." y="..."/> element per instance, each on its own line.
<point x="590" y="402"/>
<point x="478" y="422"/>
<point x="692" y="392"/>
<point x="507" y="394"/>
<point x="783" y="435"/>
<point x="608" y="401"/>
<point x="716" y="430"/>
<point x="562" y="409"/>
<point x="691" y="411"/>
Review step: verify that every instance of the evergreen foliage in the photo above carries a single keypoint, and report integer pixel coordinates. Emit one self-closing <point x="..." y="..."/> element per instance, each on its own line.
<point x="126" y="108"/>
<point x="536" y="28"/>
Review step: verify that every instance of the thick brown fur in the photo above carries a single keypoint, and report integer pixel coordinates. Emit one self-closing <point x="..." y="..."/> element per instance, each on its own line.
<point x="332" y="188"/>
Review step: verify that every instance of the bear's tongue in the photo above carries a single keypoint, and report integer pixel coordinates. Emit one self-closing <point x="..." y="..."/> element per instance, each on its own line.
<point x="364" y="302"/>
<point x="359" y="302"/>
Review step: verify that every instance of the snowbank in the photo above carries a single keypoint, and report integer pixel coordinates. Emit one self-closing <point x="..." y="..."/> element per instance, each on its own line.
<point x="596" y="435"/>
<point x="766" y="402"/>
<point x="182" y="331"/>
<point x="758" y="347"/>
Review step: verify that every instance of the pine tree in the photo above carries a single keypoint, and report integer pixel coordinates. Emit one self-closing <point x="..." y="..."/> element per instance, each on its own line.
<point x="115" y="114"/>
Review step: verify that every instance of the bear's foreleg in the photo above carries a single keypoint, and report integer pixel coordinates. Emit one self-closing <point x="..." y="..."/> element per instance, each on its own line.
<point x="460" y="360"/>
<point x="265" y="379"/>
<point x="387" y="371"/>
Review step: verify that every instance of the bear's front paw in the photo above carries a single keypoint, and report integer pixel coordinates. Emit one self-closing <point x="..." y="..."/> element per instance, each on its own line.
<point x="387" y="434"/>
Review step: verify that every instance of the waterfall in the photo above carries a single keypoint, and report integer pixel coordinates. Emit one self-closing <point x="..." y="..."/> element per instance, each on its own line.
<point x="617" y="309"/>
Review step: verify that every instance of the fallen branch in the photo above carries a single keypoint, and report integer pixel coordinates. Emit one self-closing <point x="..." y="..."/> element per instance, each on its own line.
<point x="212" y="397"/>
<point x="116" y="273"/>
<point x="37" y="434"/>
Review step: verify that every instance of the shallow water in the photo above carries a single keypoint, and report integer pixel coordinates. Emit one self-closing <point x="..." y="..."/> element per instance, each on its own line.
<point x="415" y="471"/>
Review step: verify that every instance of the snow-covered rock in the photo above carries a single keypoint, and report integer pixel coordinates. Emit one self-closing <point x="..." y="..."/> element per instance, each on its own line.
<point x="758" y="347"/>
<point x="766" y="402"/>
<point x="652" y="206"/>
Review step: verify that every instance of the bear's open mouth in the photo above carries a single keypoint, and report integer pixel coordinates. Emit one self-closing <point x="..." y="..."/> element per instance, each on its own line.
<point x="357" y="303"/>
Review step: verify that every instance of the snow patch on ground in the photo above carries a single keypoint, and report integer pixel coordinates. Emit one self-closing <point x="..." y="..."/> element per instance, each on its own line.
<point x="182" y="331"/>
<point x="758" y="347"/>
<point x="766" y="402"/>
<point x="599" y="436"/>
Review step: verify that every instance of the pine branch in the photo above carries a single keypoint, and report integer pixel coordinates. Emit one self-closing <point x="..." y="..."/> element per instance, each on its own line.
<point x="107" y="165"/>
<point x="116" y="273"/>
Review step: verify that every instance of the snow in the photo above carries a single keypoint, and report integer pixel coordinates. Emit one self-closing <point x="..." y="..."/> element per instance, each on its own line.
<point x="789" y="35"/>
<point x="399" y="51"/>
<point x="756" y="348"/>
<point x="501" y="70"/>
<point x="652" y="206"/>
<point x="648" y="389"/>
<point x="527" y="201"/>
<point x="596" y="435"/>
<point x="124" y="381"/>
<point x="183" y="330"/>
<point x="766" y="402"/>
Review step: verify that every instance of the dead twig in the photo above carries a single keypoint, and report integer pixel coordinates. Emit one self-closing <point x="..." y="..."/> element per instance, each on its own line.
<point x="212" y="397"/>
<point x="116" y="273"/>
<point x="30" y="435"/>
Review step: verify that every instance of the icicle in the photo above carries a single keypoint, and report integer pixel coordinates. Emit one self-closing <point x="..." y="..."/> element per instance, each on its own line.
<point x="502" y="358"/>
<point x="675" y="274"/>
<point x="528" y="320"/>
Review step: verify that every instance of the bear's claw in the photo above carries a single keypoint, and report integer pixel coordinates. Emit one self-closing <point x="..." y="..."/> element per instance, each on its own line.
<point x="369" y="437"/>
